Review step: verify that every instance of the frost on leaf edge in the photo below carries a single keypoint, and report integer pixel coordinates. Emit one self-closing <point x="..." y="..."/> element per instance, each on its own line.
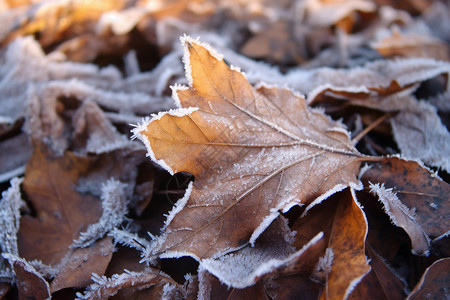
<point x="139" y="128"/>
<point x="266" y="268"/>
<point x="185" y="40"/>
<point x="179" y="205"/>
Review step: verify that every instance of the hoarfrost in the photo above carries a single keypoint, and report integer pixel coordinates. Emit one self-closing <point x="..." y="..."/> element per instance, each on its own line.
<point x="114" y="205"/>
<point x="245" y="267"/>
<point x="323" y="266"/>
<point x="28" y="280"/>
<point x="129" y="239"/>
<point x="421" y="135"/>
<point x="403" y="217"/>
<point x="10" y="206"/>
<point x="104" y="287"/>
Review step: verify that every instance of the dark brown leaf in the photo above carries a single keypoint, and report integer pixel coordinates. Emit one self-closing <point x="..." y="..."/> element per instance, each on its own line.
<point x="435" y="283"/>
<point x="419" y="189"/>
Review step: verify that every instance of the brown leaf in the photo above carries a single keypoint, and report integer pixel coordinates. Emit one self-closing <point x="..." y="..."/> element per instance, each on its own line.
<point x="434" y="283"/>
<point x="271" y="255"/>
<point x="418" y="189"/>
<point x="412" y="45"/>
<point x="349" y="264"/>
<point x="151" y="284"/>
<point x="80" y="263"/>
<point x="253" y="152"/>
<point x="62" y="212"/>
<point x="345" y="229"/>
<point x="45" y="19"/>
<point x="275" y="44"/>
<point x="30" y="283"/>
<point x="380" y="283"/>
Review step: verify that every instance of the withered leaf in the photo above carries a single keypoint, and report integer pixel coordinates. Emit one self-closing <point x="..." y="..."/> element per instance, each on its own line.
<point x="345" y="228"/>
<point x="418" y="189"/>
<point x="434" y="282"/>
<point x="30" y="283"/>
<point x="129" y="284"/>
<point x="81" y="262"/>
<point x="347" y="241"/>
<point x="253" y="152"/>
<point x="62" y="213"/>
<point x="412" y="45"/>
<point x="380" y="283"/>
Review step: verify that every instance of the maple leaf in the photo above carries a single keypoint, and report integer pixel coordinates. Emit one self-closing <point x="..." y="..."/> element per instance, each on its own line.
<point x="253" y="152"/>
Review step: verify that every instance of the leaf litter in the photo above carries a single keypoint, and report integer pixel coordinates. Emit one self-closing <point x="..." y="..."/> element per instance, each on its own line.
<point x="283" y="155"/>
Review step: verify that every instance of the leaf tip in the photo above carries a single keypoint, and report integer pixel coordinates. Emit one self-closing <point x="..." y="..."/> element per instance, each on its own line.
<point x="189" y="44"/>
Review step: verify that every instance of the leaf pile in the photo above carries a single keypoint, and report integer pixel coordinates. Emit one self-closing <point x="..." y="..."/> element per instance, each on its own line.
<point x="306" y="157"/>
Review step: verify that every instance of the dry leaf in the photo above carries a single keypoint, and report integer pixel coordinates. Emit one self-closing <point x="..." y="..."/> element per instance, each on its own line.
<point x="30" y="283"/>
<point x="347" y="239"/>
<point x="344" y="224"/>
<point x="434" y="282"/>
<point x="45" y="19"/>
<point x="246" y="148"/>
<point x="129" y="284"/>
<point x="77" y="265"/>
<point x="271" y="253"/>
<point x="412" y="45"/>
<point x="420" y="134"/>
<point x="380" y="283"/>
<point x="428" y="200"/>
<point x="61" y="211"/>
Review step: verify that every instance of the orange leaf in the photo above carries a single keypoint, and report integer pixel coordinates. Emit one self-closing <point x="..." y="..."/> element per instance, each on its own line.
<point x="253" y="152"/>
<point x="347" y="241"/>
<point x="345" y="228"/>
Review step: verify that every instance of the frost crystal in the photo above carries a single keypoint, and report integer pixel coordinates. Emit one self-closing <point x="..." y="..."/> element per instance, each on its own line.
<point x="10" y="217"/>
<point x="403" y="217"/>
<point x="104" y="287"/>
<point x="129" y="239"/>
<point x="114" y="205"/>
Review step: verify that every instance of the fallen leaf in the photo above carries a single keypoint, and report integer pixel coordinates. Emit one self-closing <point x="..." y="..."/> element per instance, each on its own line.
<point x="434" y="283"/>
<point x="61" y="212"/>
<point x="130" y="284"/>
<point x="347" y="242"/>
<point x="77" y="265"/>
<point x="45" y="18"/>
<point x="271" y="255"/>
<point x="30" y="283"/>
<point x="275" y="44"/>
<point x="343" y="264"/>
<point x="381" y="282"/>
<point x="420" y="134"/>
<point x="412" y="45"/>
<point x="253" y="152"/>
<point x="419" y="189"/>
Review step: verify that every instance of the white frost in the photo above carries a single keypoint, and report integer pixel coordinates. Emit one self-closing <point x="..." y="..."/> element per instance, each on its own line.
<point x="403" y="217"/>
<point x="114" y="206"/>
